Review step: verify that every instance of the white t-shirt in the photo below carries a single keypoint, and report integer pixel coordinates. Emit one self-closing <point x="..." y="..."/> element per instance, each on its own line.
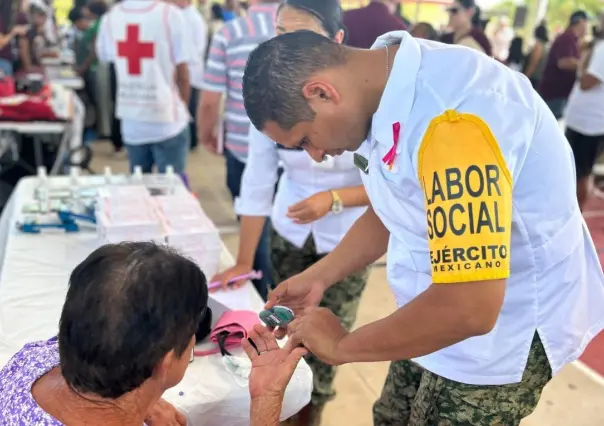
<point x="198" y="32"/>
<point x="585" y="109"/>
<point x="138" y="132"/>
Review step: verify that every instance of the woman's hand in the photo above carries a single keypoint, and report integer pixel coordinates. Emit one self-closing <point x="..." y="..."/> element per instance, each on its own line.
<point x="272" y="366"/>
<point x="311" y="209"/>
<point x="20" y="30"/>
<point x="164" y="414"/>
<point x="228" y="274"/>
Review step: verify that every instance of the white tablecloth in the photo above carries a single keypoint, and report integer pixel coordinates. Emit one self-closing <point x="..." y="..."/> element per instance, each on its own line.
<point x="34" y="271"/>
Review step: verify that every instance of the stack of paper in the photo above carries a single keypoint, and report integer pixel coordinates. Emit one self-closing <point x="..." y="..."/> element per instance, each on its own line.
<point x="187" y="228"/>
<point x="126" y="213"/>
<point x="130" y="213"/>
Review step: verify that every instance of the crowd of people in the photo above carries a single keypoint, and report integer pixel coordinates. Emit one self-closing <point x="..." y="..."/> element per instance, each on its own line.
<point x="298" y="95"/>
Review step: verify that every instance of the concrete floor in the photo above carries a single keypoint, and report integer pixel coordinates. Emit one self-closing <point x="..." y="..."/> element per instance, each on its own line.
<point x="573" y="398"/>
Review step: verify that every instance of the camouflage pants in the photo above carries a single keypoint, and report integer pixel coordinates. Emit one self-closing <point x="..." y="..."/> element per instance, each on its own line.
<point x="342" y="298"/>
<point x="413" y="396"/>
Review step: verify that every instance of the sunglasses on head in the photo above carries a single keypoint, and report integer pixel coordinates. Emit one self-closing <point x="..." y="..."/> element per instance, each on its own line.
<point x="453" y="10"/>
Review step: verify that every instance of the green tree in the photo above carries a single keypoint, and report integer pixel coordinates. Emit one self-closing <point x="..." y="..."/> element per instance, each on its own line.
<point x="558" y="11"/>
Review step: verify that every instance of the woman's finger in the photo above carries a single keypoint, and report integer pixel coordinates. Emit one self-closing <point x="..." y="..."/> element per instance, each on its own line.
<point x="294" y="357"/>
<point x="267" y="336"/>
<point x="181" y="418"/>
<point x="250" y="351"/>
<point x="258" y="340"/>
<point x="298" y="206"/>
<point x="238" y="284"/>
<point x="301" y="214"/>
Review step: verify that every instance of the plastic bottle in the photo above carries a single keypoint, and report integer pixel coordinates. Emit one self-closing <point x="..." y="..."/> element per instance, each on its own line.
<point x="170" y="179"/>
<point x="108" y="175"/>
<point x="74" y="186"/>
<point x="41" y="192"/>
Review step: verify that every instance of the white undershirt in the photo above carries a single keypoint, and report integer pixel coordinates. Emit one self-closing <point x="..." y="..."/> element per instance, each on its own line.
<point x="585" y="109"/>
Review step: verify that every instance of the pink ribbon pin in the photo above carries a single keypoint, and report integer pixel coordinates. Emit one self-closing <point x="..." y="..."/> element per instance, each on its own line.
<point x="391" y="154"/>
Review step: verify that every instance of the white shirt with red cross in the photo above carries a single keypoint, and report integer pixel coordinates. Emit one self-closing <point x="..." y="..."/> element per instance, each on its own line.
<point x="146" y="40"/>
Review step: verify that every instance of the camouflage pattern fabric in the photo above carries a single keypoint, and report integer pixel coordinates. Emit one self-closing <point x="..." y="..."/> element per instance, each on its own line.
<point x="342" y="298"/>
<point x="413" y="396"/>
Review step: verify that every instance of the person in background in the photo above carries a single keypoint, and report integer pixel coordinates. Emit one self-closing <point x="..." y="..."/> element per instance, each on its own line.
<point x="584" y="118"/>
<point x="6" y="40"/>
<point x="198" y="33"/>
<point x="144" y="302"/>
<point x="366" y="24"/>
<point x="230" y="10"/>
<point x="229" y="50"/>
<point x="516" y="58"/>
<point x="562" y="64"/>
<point x="79" y="24"/>
<point x="215" y="22"/>
<point x="149" y="46"/>
<point x="424" y="30"/>
<point x="86" y="67"/>
<point x="78" y="16"/>
<point x="537" y="57"/>
<point x="315" y="205"/>
<point x="217" y="12"/>
<point x="464" y="21"/>
<point x="502" y="39"/>
<point x="35" y="44"/>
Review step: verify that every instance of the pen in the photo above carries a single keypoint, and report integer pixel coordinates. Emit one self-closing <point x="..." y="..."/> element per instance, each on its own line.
<point x="253" y="275"/>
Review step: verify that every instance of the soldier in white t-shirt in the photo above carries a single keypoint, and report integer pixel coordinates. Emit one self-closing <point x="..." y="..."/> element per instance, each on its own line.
<point x="149" y="44"/>
<point x="497" y="282"/>
<point x="584" y="117"/>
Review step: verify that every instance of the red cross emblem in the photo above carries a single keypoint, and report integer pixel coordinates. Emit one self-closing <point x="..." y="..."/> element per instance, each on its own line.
<point x="134" y="50"/>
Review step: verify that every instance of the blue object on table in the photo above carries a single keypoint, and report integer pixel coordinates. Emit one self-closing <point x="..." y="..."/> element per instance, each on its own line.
<point x="35" y="228"/>
<point x="67" y="216"/>
<point x="67" y="221"/>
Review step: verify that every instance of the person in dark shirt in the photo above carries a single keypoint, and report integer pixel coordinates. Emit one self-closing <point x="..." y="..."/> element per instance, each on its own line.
<point x="516" y="57"/>
<point x="366" y="24"/>
<point x="562" y="62"/>
<point x="466" y="25"/>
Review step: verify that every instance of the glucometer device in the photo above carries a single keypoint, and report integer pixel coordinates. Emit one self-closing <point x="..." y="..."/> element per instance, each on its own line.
<point x="277" y="316"/>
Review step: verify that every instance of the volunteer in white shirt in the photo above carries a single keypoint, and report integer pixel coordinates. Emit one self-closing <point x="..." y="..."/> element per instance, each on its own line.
<point x="584" y="117"/>
<point x="498" y="283"/>
<point x="198" y="35"/>
<point x="315" y="205"/>
<point x="149" y="45"/>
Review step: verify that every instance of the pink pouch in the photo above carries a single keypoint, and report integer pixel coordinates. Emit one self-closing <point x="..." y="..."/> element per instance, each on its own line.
<point x="229" y="330"/>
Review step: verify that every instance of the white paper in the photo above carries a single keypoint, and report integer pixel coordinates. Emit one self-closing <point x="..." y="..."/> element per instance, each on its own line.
<point x="235" y="299"/>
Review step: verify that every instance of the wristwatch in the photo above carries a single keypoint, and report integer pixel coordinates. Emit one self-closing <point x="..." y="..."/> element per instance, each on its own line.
<point x="336" y="206"/>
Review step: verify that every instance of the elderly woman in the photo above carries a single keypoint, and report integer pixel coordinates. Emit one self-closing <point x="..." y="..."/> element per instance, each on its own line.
<point x="125" y="336"/>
